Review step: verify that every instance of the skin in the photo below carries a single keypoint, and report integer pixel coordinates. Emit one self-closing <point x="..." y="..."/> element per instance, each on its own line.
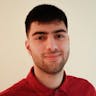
<point x="48" y="44"/>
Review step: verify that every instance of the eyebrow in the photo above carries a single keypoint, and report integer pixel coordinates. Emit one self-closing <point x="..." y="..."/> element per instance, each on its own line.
<point x="60" y="30"/>
<point x="41" y="32"/>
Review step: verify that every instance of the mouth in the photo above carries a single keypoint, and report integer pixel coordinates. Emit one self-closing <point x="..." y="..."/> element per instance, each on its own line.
<point x="52" y="57"/>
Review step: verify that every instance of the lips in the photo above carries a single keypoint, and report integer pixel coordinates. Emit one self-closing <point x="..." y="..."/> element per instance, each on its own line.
<point x="52" y="57"/>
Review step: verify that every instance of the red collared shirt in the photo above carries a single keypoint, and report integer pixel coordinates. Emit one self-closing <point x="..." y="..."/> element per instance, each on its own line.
<point x="71" y="86"/>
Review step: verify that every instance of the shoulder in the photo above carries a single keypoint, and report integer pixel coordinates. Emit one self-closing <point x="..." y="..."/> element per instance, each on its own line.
<point x="82" y="84"/>
<point x="18" y="87"/>
<point x="79" y="81"/>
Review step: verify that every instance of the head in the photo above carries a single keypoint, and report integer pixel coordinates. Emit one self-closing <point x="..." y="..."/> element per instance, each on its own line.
<point x="47" y="38"/>
<point x="44" y="14"/>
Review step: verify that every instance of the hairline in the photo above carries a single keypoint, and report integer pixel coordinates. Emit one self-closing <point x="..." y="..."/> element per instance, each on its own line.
<point x="45" y="22"/>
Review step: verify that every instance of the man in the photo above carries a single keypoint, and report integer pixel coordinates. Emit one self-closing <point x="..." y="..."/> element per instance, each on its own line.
<point x="48" y="44"/>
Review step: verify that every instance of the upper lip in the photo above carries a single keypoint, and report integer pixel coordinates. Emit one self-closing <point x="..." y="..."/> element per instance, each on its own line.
<point x="52" y="55"/>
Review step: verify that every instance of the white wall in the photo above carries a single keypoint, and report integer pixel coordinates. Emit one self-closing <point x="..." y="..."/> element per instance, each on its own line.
<point x="15" y="62"/>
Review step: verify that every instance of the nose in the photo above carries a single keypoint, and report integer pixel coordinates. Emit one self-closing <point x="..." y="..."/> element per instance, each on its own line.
<point x="51" y="44"/>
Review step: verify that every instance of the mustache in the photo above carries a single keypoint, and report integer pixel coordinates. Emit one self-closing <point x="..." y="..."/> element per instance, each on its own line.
<point x="52" y="52"/>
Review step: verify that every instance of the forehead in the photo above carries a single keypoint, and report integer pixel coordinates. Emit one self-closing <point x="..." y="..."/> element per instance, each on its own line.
<point x="47" y="27"/>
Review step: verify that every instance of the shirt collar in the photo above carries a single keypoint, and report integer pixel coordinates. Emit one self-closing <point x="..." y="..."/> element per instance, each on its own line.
<point x="36" y="86"/>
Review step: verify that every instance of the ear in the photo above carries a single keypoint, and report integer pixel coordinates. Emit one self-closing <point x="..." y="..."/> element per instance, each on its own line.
<point x="27" y="45"/>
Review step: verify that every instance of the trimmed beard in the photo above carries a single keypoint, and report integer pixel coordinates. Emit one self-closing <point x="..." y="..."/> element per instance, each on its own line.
<point x="52" y="67"/>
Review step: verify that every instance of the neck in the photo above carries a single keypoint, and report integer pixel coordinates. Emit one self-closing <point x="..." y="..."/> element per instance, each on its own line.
<point x="49" y="80"/>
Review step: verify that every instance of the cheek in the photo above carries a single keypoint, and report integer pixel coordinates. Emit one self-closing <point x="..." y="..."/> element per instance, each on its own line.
<point x="65" y="47"/>
<point x="36" y="49"/>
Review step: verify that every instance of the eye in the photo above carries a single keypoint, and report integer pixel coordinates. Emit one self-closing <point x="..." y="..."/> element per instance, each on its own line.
<point x="40" y="37"/>
<point x="59" y="36"/>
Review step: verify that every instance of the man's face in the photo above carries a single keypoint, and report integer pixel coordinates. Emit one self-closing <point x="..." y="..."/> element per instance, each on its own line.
<point x="48" y="44"/>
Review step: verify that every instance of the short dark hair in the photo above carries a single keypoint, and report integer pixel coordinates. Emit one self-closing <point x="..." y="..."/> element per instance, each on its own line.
<point x="45" y="13"/>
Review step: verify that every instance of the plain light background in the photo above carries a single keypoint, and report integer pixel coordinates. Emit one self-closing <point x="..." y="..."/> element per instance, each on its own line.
<point x="15" y="62"/>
